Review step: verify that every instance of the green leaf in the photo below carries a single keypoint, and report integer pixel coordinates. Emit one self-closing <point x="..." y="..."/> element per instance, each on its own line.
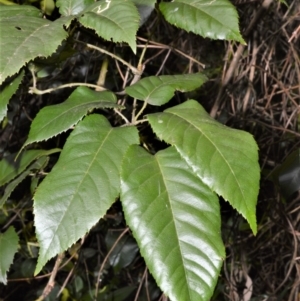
<point x="158" y="90"/>
<point x="215" y="19"/>
<point x="32" y="37"/>
<point x="37" y="165"/>
<point x="116" y="20"/>
<point x="9" y="168"/>
<point x="7" y="93"/>
<point x="225" y="159"/>
<point x="8" y="247"/>
<point x="175" y="219"/>
<point x="82" y="185"/>
<point x="72" y="7"/>
<point x="53" y="120"/>
<point x="19" y="10"/>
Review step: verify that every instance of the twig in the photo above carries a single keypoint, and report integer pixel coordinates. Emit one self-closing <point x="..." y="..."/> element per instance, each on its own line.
<point x="34" y="90"/>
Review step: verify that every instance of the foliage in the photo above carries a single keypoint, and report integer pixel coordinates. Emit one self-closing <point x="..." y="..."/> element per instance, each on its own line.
<point x="169" y="198"/>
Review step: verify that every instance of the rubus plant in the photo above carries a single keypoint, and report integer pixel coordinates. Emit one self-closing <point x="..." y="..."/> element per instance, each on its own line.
<point x="169" y="198"/>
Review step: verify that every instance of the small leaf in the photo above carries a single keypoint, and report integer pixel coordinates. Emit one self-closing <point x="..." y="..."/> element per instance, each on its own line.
<point x="225" y="159"/>
<point x="82" y="185"/>
<point x="37" y="165"/>
<point x="116" y="20"/>
<point x="47" y="6"/>
<point x="32" y="37"/>
<point x="158" y="90"/>
<point x="215" y="19"/>
<point x="175" y="219"/>
<point x="7" y="93"/>
<point x="9" y="168"/>
<point x="8" y="247"/>
<point x="53" y="120"/>
<point x="72" y="7"/>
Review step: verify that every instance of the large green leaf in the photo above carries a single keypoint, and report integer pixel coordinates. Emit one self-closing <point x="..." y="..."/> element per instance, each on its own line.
<point x="37" y="165"/>
<point x="7" y="93"/>
<point x="158" y="90"/>
<point x="175" y="219"/>
<point x="8" y="247"/>
<point x="116" y="20"/>
<point x="82" y="185"/>
<point x="32" y="37"/>
<point x="215" y="19"/>
<point x="53" y="120"/>
<point x="72" y="7"/>
<point x="225" y="159"/>
<point x="19" y="10"/>
<point x="10" y="168"/>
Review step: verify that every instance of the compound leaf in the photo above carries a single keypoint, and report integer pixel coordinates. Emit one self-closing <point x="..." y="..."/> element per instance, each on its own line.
<point x="82" y="185"/>
<point x="8" y="247"/>
<point x="225" y="159"/>
<point x="215" y="19"/>
<point x="116" y="20"/>
<point x="175" y="219"/>
<point x="158" y="90"/>
<point x="53" y="120"/>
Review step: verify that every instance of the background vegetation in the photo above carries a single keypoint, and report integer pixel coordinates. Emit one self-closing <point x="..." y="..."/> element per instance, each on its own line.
<point x="253" y="87"/>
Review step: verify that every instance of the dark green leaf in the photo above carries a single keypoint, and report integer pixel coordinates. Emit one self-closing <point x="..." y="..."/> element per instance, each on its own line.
<point x="116" y="20"/>
<point x="53" y="120"/>
<point x="38" y="164"/>
<point x="8" y="247"/>
<point x="215" y="19"/>
<point x="82" y="185"/>
<point x="9" y="168"/>
<point x="7" y="93"/>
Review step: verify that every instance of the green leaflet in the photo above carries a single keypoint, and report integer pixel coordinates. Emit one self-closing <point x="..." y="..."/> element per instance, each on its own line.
<point x="81" y="186"/>
<point x="225" y="159"/>
<point x="175" y="219"/>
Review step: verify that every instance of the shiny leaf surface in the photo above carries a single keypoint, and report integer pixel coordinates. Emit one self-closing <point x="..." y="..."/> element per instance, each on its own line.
<point x="175" y="219"/>
<point x="225" y="159"/>
<point x="216" y="19"/>
<point x="82" y="185"/>
<point x="158" y="90"/>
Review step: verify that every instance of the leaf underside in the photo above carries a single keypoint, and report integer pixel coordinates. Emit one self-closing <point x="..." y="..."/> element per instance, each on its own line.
<point x="82" y="185"/>
<point x="175" y="219"/>
<point x="225" y="159"/>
